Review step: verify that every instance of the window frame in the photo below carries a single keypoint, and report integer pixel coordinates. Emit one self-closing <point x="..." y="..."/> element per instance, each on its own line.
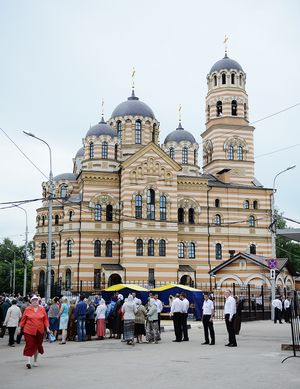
<point x="162" y="208"/>
<point x="98" y="212"/>
<point x="97" y="248"/>
<point x="104" y="150"/>
<point x="180" y="249"/>
<point x="150" y="248"/>
<point x="150" y="204"/>
<point x="108" y="248"/>
<point x="192" y="250"/>
<point x="162" y="248"/>
<point x="218" y="251"/>
<point x="185" y="155"/>
<point x="92" y="150"/>
<point x="138" y="132"/>
<point x="139" y="248"/>
<point x="69" y="248"/>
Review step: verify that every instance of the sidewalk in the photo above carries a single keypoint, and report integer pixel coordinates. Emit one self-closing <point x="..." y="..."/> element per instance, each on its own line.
<point x="255" y="363"/>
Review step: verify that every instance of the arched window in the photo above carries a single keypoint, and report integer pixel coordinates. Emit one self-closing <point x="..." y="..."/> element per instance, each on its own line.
<point x="234" y="108"/>
<point x="215" y="81"/>
<point x="42" y="278"/>
<point x="162" y="248"/>
<point x="70" y="216"/>
<point x="43" y="220"/>
<point x="191" y="216"/>
<point x="108" y="248"/>
<point x="150" y="247"/>
<point x="138" y="206"/>
<point x="246" y="204"/>
<point x="195" y="157"/>
<point x="116" y="151"/>
<point x="252" y="248"/>
<point x="68" y="279"/>
<point x="255" y="204"/>
<point x="218" y="220"/>
<point x="240" y="153"/>
<point x="180" y="214"/>
<point x="139" y="247"/>
<point x="52" y="250"/>
<point x="64" y="191"/>
<point x="150" y="204"/>
<point x="245" y="110"/>
<point x="98" y="212"/>
<point x="153" y="133"/>
<point x="218" y="251"/>
<point x="163" y="207"/>
<point x="219" y="108"/>
<point x="217" y="203"/>
<point x="138" y="132"/>
<point x="223" y="78"/>
<point x="241" y="79"/>
<point x="191" y="250"/>
<point x="109" y="213"/>
<point x="92" y="150"/>
<point x="180" y="250"/>
<point x="104" y="150"/>
<point x="43" y="251"/>
<point x="172" y="152"/>
<point x="56" y="220"/>
<point x="208" y="112"/>
<point x="230" y="153"/>
<point x="232" y="78"/>
<point x="97" y="248"/>
<point x="119" y="131"/>
<point x="69" y="248"/>
<point x="251" y="221"/>
<point x="185" y="151"/>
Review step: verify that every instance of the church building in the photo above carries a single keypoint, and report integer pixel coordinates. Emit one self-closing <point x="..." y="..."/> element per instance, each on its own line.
<point x="136" y="210"/>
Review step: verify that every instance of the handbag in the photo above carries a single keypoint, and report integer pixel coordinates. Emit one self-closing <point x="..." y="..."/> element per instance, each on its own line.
<point x="51" y="338"/>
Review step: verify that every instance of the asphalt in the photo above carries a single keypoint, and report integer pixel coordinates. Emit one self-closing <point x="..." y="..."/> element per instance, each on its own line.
<point x="254" y="364"/>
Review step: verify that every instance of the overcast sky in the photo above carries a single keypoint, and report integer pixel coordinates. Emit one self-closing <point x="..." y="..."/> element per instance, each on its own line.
<point x="60" y="58"/>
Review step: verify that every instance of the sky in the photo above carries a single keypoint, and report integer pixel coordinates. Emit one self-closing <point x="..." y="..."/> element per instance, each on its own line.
<point x="60" y="58"/>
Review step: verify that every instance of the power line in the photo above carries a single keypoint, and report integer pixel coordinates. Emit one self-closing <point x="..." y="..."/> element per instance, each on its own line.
<point x="290" y="220"/>
<point x="278" y="150"/>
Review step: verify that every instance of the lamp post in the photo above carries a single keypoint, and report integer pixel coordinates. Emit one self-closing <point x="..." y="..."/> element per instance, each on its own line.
<point x="273" y="230"/>
<point x="50" y="200"/>
<point x="26" y="250"/>
<point x="13" y="272"/>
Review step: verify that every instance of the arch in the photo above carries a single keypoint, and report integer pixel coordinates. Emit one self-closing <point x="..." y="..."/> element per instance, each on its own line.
<point x="109" y="213"/>
<point x="191" y="216"/>
<point x="259" y="276"/>
<point x="230" y="153"/>
<point x="68" y="279"/>
<point x="114" y="279"/>
<point x="104" y="153"/>
<point x="181" y="247"/>
<point x="98" y="212"/>
<point x="185" y="155"/>
<point x="217" y="203"/>
<point x="218" y="219"/>
<point x="138" y="132"/>
<point x="151" y="248"/>
<point x="192" y="253"/>
<point x="223" y="78"/>
<point x="97" y="248"/>
<point x="91" y="150"/>
<point x="150" y="204"/>
<point x="180" y="215"/>
<point x="246" y="204"/>
<point x="230" y="277"/>
<point x="56" y="219"/>
<point x="251" y="221"/>
<point x="219" y="108"/>
<point x="162" y="248"/>
<point x="139" y="247"/>
<point x="232" y="78"/>
<point x="252" y="248"/>
<point x="255" y="204"/>
<point x="215" y="80"/>
<point x="234" y="108"/>
<point x="108" y="248"/>
<point x="218" y="251"/>
<point x="186" y="280"/>
<point x="138" y="206"/>
<point x="240" y="153"/>
<point x="64" y="191"/>
<point x="69" y="248"/>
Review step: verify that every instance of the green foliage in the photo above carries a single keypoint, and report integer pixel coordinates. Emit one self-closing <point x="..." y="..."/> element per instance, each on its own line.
<point x="7" y="252"/>
<point x="286" y="248"/>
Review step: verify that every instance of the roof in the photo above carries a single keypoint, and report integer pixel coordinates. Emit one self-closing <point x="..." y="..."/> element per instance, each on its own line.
<point x="225" y="63"/>
<point x="259" y="260"/>
<point x="169" y="286"/>
<point x="133" y="106"/>
<point x="80" y="152"/>
<point x="116" y="288"/>
<point x="102" y="128"/>
<point x="290" y="233"/>
<point x="186" y="268"/>
<point x="180" y="134"/>
<point x="65" y="176"/>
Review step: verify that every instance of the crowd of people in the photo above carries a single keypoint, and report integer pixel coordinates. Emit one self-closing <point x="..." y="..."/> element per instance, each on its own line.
<point x="282" y="309"/>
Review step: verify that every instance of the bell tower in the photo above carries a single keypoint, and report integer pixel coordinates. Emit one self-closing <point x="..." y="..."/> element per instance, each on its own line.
<point x="228" y="138"/>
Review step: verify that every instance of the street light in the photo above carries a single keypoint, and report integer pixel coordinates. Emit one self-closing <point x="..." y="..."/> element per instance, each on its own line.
<point x="50" y="200"/>
<point x="273" y="230"/>
<point x="26" y="252"/>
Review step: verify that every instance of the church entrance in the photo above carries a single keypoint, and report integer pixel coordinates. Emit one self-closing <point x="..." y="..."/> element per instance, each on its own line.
<point x="114" y="279"/>
<point x="186" y="280"/>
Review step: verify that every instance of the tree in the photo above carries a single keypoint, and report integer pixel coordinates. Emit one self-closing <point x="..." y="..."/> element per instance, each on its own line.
<point x="285" y="248"/>
<point x="7" y="251"/>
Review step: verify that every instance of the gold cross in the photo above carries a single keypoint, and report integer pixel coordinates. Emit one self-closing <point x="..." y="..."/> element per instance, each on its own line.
<point x="225" y="43"/>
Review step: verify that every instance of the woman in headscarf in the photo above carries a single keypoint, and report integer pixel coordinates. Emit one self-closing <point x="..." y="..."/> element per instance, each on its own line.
<point x="129" y="309"/>
<point x="152" y="332"/>
<point x="71" y="322"/>
<point x="110" y="317"/>
<point x="63" y="316"/>
<point x="119" y="319"/>
<point x="100" y="319"/>
<point x="33" y="323"/>
<point x="53" y="316"/>
<point x="90" y="319"/>
<point x="140" y="317"/>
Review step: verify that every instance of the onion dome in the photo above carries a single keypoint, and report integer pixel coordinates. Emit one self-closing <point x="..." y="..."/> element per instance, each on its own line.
<point x="102" y="128"/>
<point x="180" y="134"/>
<point x="225" y="63"/>
<point x="65" y="176"/>
<point x="133" y="107"/>
<point x="80" y="153"/>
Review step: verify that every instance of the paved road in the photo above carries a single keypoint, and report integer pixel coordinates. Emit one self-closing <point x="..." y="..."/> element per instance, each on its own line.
<point x="254" y="364"/>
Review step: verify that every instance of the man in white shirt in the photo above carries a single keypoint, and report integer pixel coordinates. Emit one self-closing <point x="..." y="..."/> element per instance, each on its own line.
<point x="207" y="319"/>
<point x="159" y="306"/>
<point x="185" y="313"/>
<point x="176" y="314"/>
<point x="230" y="313"/>
<point x="277" y="304"/>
